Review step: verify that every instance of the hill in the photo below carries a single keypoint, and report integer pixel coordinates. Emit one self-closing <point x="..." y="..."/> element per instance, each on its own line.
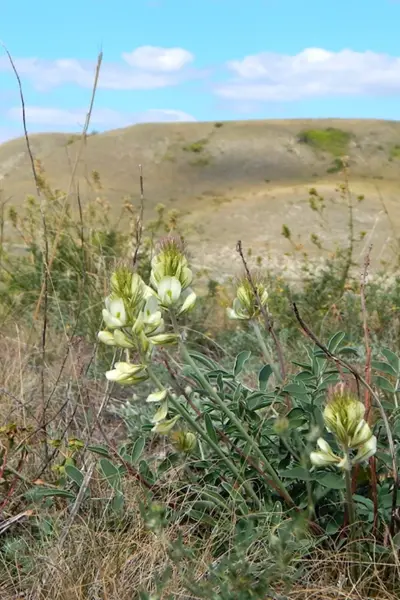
<point x="234" y="179"/>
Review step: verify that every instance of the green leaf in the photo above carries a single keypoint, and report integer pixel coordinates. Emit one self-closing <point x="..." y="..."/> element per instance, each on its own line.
<point x="263" y="377"/>
<point x="137" y="450"/>
<point x="234" y="494"/>
<point x="383" y="367"/>
<point x="43" y="492"/>
<point x="110" y="472"/>
<point x="304" y="366"/>
<point x="366" y="502"/>
<point x="260" y="400"/>
<point x="204" y="360"/>
<point x="319" y="417"/>
<point x="220" y="373"/>
<point x="304" y="376"/>
<point x="296" y="418"/>
<point x="117" y="503"/>
<point x="348" y="350"/>
<point x="332" y="527"/>
<point x="240" y="361"/>
<point x="74" y="474"/>
<point x="210" y="428"/>
<point x="146" y="472"/>
<point x="297" y="390"/>
<point x="215" y="497"/>
<point x="332" y="481"/>
<point x="220" y="385"/>
<point x="396" y="541"/>
<point x="335" y="341"/>
<point x="238" y="393"/>
<point x="298" y="473"/>
<point x="99" y="450"/>
<point x="384" y="457"/>
<point x="384" y="384"/>
<point x="392" y="358"/>
<point x="170" y="461"/>
<point x="200" y="517"/>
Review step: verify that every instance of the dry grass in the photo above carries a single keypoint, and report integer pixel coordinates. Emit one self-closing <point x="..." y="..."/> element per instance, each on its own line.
<point x="102" y="558"/>
<point x="112" y="559"/>
<point x="241" y="157"/>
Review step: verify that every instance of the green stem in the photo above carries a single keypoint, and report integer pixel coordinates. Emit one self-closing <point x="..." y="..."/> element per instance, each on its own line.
<point x="202" y="432"/>
<point x="266" y="353"/>
<point x="349" y="502"/>
<point x="233" y="418"/>
<point x="352" y="520"/>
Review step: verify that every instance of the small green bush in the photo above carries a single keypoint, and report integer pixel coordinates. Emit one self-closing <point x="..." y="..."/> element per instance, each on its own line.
<point x="337" y="166"/>
<point x="395" y="151"/>
<point x="196" y="147"/>
<point x="331" y="140"/>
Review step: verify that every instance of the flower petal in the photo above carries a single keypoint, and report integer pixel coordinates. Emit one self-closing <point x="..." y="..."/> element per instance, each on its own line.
<point x="165" y="426"/>
<point x="366" y="451"/>
<point x="161" y="413"/>
<point x="106" y="337"/>
<point x="122" y="340"/>
<point x="164" y="339"/>
<point x="189" y="303"/>
<point x="157" y="396"/>
<point x="169" y="290"/>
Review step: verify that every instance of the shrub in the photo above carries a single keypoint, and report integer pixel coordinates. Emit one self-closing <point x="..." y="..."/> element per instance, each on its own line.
<point x="331" y="140"/>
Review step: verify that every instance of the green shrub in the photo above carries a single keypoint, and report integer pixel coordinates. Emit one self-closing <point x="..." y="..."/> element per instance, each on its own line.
<point x="196" y="147"/>
<point x="331" y="140"/>
<point x="395" y="152"/>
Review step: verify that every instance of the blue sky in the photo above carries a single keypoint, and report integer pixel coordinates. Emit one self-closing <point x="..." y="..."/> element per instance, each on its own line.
<point x="198" y="60"/>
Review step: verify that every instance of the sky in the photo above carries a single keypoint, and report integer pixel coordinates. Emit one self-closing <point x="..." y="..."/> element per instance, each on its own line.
<point x="186" y="60"/>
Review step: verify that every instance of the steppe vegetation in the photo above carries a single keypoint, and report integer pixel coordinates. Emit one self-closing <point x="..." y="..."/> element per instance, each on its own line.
<point x="170" y="431"/>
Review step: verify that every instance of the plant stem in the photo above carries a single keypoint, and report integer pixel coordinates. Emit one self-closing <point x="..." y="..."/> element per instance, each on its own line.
<point x="352" y="520"/>
<point x="265" y="351"/>
<point x="202" y="432"/>
<point x="349" y="502"/>
<point x="233" y="418"/>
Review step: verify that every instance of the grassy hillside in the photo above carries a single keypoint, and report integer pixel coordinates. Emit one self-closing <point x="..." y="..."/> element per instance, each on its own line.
<point x="233" y="179"/>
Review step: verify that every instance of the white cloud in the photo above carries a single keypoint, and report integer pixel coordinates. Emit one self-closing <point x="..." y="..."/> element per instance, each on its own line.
<point x="313" y="73"/>
<point x="153" y="58"/>
<point x="7" y="133"/>
<point x="101" y="117"/>
<point x="164" y="115"/>
<point x="145" y="68"/>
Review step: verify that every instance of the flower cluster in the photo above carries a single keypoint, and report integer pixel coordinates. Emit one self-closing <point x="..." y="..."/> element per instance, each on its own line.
<point x="133" y="316"/>
<point x="171" y="277"/>
<point x="246" y="304"/>
<point x="344" y="418"/>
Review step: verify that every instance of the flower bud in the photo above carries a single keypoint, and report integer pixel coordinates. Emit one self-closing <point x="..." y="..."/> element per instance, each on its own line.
<point x="281" y="425"/>
<point x="184" y="441"/>
<point x="344" y="417"/>
<point x="170" y="261"/>
<point x="246" y="304"/>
